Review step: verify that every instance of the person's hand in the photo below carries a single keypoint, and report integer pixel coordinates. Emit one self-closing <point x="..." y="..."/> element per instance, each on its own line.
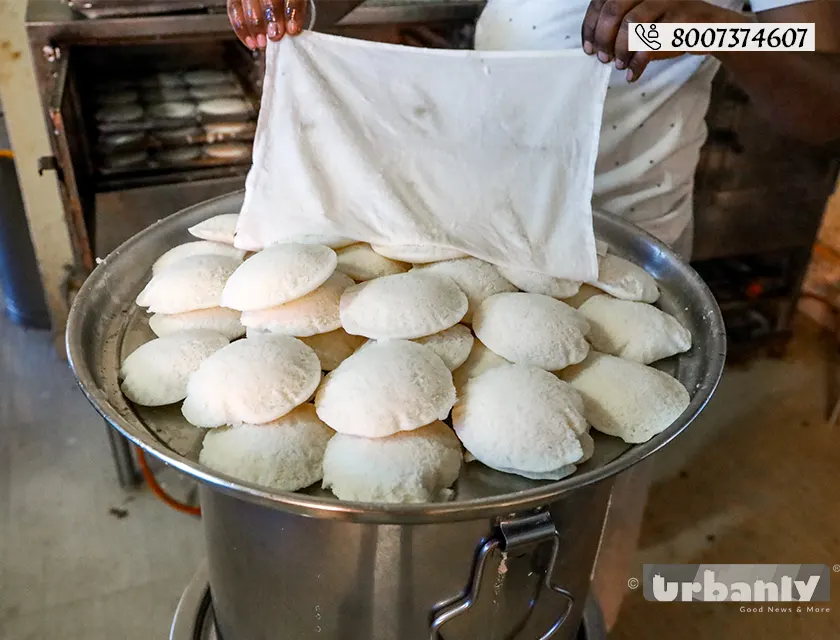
<point x="257" y="21"/>
<point x="605" y="28"/>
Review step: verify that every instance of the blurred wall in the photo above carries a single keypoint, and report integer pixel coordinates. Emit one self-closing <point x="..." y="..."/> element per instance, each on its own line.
<point x="29" y="139"/>
<point x="821" y="290"/>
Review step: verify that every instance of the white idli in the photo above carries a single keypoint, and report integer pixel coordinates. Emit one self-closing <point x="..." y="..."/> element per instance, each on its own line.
<point x="532" y="329"/>
<point x="520" y="419"/>
<point x="221" y="228"/>
<point x="227" y="150"/>
<point x="624" y="280"/>
<point x="477" y="279"/>
<point x="403" y="306"/>
<point x="206" y="92"/>
<point x="199" y="248"/>
<point x="252" y="381"/>
<point x="588" y="446"/>
<point x="334" y="347"/>
<point x="633" y="330"/>
<point x="452" y="345"/>
<point x="586" y="291"/>
<point x="218" y="131"/>
<point x="481" y="359"/>
<point x="218" y="319"/>
<point x="332" y="241"/>
<point x="362" y="263"/>
<point x="314" y="313"/>
<point x="190" y="284"/>
<point x="414" y="466"/>
<point x="224" y="106"/>
<point x="536" y="282"/>
<point x="286" y="454"/>
<point x="156" y="373"/>
<point x="384" y="388"/>
<point x="200" y="77"/>
<point x="172" y="110"/>
<point x="178" y="155"/>
<point x="417" y="253"/>
<point x="277" y="275"/>
<point x="626" y="399"/>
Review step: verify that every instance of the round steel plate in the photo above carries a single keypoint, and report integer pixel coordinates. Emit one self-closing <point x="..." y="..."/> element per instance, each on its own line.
<point x="105" y="325"/>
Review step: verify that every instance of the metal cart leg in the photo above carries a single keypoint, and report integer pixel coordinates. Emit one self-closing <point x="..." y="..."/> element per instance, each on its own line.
<point x="127" y="472"/>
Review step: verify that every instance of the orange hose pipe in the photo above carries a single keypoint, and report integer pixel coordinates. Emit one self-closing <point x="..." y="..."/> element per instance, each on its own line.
<point x="150" y="479"/>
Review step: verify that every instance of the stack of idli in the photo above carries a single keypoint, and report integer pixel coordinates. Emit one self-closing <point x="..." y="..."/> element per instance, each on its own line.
<point x="427" y="352"/>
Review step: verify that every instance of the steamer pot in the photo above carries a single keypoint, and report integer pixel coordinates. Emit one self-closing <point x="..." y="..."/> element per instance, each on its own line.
<point x="507" y="558"/>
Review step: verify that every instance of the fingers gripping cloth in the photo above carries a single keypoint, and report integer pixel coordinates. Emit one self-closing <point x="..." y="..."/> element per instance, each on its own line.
<point x="489" y="153"/>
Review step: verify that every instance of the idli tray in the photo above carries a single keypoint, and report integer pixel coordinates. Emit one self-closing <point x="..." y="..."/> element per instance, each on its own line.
<point x="176" y="158"/>
<point x="105" y="325"/>
<point x="168" y="101"/>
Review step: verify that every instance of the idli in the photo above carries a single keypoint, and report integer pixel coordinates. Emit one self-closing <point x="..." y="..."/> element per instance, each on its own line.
<point x="156" y="373"/>
<point x="221" y="228"/>
<point x="477" y="279"/>
<point x="403" y="306"/>
<point x="277" y="275"/>
<point x="624" y="280"/>
<point x="520" y="419"/>
<point x="633" y="330"/>
<point x="362" y="263"/>
<point x="384" y="388"/>
<point x="314" y="313"/>
<point x="192" y="283"/>
<point x="413" y="466"/>
<point x="626" y="399"/>
<point x="252" y="381"/>
<point x="286" y="454"/>
<point x="532" y="329"/>
<point x="218" y="319"/>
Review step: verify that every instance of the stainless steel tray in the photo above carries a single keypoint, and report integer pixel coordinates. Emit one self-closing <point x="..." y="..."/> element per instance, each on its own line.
<point x="105" y="325"/>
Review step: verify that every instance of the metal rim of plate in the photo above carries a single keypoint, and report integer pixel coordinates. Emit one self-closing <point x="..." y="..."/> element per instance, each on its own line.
<point x="195" y="620"/>
<point x="104" y="320"/>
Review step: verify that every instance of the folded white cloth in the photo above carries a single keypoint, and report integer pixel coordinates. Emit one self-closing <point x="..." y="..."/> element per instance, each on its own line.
<point x="491" y="153"/>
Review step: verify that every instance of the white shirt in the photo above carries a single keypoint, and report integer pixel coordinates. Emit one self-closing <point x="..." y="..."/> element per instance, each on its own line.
<point x="652" y="130"/>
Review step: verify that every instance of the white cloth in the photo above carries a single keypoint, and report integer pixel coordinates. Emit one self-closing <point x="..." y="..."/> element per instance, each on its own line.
<point x="489" y="153"/>
<point x="652" y="130"/>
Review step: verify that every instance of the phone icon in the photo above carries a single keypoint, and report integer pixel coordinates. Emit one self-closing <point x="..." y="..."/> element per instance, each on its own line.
<point x="651" y="38"/>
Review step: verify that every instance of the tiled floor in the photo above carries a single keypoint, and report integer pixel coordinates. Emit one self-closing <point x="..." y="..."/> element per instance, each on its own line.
<point x="762" y="487"/>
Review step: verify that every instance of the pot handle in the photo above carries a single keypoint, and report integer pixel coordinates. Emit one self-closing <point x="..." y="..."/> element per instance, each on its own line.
<point x="511" y="535"/>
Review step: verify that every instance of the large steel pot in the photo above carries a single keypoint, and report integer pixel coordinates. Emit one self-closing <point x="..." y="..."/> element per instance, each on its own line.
<point x="507" y="558"/>
<point x="196" y="620"/>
